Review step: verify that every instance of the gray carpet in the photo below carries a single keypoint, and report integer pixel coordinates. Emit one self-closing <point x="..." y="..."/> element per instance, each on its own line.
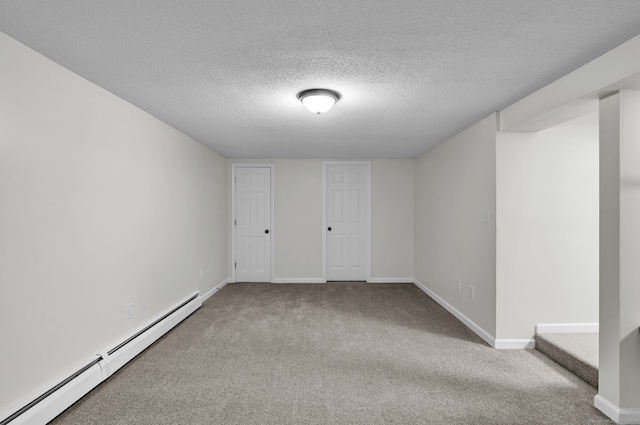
<point x="578" y="352"/>
<point x="336" y="353"/>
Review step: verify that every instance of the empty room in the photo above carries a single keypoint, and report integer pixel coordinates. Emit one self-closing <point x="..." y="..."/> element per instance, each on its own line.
<point x="319" y="212"/>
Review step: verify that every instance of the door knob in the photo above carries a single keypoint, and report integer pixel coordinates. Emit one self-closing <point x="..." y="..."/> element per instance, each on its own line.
<point x="329" y="228"/>
<point x="266" y="231"/>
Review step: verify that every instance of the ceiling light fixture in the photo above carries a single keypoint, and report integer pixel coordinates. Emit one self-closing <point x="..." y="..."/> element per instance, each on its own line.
<point x="318" y="100"/>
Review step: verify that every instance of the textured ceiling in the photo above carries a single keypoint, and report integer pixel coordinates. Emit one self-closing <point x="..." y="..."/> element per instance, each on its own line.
<point x="411" y="73"/>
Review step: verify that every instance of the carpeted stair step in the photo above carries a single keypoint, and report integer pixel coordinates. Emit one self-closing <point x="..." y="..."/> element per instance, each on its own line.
<point x="576" y="352"/>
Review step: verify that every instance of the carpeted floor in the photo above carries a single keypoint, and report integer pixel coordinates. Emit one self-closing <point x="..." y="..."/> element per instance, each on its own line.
<point x="578" y="352"/>
<point x="336" y="353"/>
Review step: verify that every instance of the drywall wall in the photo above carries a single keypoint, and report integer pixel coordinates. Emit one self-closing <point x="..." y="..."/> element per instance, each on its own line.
<point x="547" y="233"/>
<point x="392" y="219"/>
<point x="298" y="214"/>
<point x="455" y="183"/>
<point x="297" y="236"/>
<point x="619" y="371"/>
<point x="101" y="205"/>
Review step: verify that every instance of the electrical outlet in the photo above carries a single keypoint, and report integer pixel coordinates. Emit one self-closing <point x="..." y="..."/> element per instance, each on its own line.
<point x="459" y="285"/>
<point x="472" y="293"/>
<point x="128" y="311"/>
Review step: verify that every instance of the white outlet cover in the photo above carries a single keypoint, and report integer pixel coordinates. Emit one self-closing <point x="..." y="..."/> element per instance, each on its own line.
<point x="128" y="311"/>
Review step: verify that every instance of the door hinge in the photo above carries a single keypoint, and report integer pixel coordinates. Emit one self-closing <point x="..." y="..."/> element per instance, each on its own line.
<point x="235" y="265"/>
<point x="234" y="223"/>
<point x="235" y="180"/>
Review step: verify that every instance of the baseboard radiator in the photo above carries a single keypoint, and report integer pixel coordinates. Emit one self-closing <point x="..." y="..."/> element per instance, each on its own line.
<point x="49" y="404"/>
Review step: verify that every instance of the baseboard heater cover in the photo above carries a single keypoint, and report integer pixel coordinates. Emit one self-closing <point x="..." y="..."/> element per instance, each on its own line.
<point x="61" y="396"/>
<point x="124" y="352"/>
<point x="43" y="408"/>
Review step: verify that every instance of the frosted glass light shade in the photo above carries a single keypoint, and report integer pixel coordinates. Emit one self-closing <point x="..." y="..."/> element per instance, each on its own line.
<point x="318" y="101"/>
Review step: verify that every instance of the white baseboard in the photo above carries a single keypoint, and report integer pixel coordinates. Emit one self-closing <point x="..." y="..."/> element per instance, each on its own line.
<point x="619" y="416"/>
<point x="464" y="319"/>
<point x="515" y="344"/>
<point x="566" y="328"/>
<point x="59" y="400"/>
<point x="298" y="280"/>
<point x="390" y="280"/>
<point x="210" y="292"/>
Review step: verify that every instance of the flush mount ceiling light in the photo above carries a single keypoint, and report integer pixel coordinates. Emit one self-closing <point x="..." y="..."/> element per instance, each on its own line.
<point x="318" y="100"/>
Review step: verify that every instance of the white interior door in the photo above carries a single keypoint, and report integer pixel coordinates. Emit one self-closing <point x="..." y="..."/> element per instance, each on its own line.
<point x="347" y="219"/>
<point x="253" y="224"/>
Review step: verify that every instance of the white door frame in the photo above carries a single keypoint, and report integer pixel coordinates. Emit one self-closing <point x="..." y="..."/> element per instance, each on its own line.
<point x="233" y="215"/>
<point x="367" y="252"/>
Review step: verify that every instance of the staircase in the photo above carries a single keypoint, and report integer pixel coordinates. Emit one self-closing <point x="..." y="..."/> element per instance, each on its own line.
<point x="576" y="352"/>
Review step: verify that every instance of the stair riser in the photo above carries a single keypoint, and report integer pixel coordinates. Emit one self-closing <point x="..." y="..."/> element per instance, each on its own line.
<point x="583" y="370"/>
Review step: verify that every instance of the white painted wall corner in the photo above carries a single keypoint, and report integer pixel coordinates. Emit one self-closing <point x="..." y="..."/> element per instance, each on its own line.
<point x="209" y="293"/>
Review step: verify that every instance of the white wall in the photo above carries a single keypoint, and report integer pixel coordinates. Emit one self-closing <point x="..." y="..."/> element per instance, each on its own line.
<point x="547" y="233"/>
<point x="454" y="183"/>
<point x="619" y="371"/>
<point x="392" y="219"/>
<point x="100" y="205"/>
<point x="298" y="218"/>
